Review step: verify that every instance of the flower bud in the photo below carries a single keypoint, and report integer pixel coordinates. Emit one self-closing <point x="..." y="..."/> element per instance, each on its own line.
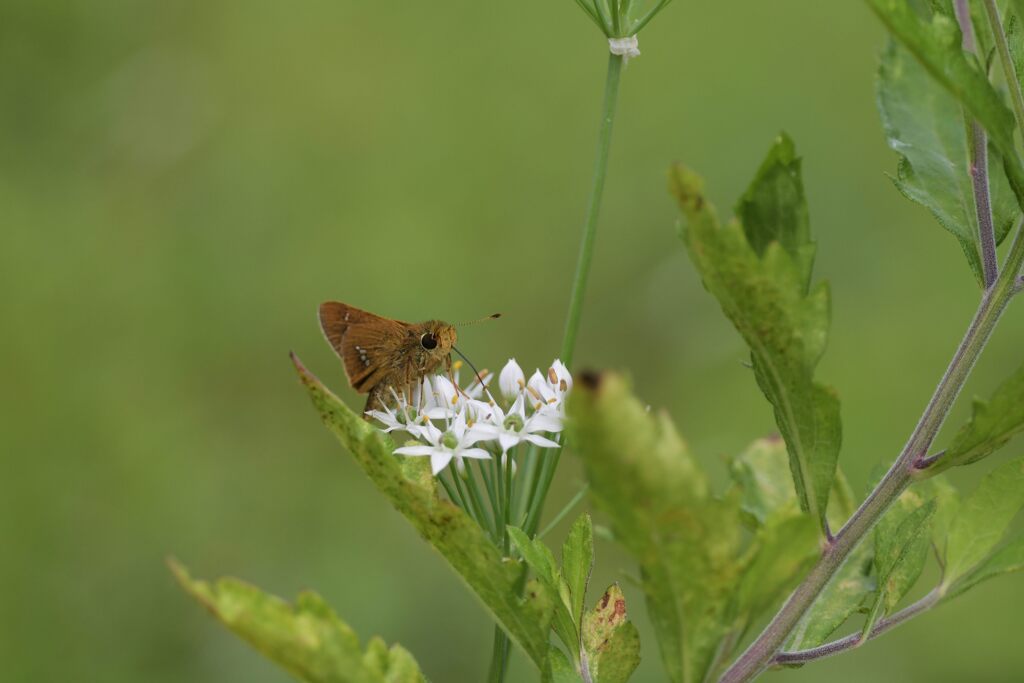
<point x="511" y="381"/>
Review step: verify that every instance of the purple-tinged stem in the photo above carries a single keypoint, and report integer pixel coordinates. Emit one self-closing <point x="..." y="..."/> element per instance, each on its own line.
<point x="855" y="639"/>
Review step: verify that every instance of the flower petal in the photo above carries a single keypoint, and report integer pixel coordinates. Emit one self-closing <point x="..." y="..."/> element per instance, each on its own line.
<point x="415" y="450"/>
<point x="508" y="440"/>
<point x="478" y="453"/>
<point x="541" y="441"/>
<point x="439" y="459"/>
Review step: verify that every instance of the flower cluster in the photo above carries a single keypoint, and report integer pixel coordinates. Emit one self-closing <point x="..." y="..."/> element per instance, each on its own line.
<point x="453" y="423"/>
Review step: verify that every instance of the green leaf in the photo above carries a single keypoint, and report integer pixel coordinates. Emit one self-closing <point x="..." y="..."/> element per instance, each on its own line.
<point x="762" y="474"/>
<point x="461" y="541"/>
<point x="783" y="551"/>
<point x="307" y="638"/>
<point x="925" y="125"/>
<point x="1009" y="558"/>
<point x="611" y="643"/>
<point x="842" y="596"/>
<point x="765" y="295"/>
<point x="558" y="669"/>
<point x="656" y="500"/>
<point x="578" y="561"/>
<point x="983" y="519"/>
<point x="901" y="549"/>
<point x="540" y="559"/>
<point x="774" y="209"/>
<point x="900" y="554"/>
<point x="992" y="425"/>
<point x="936" y="43"/>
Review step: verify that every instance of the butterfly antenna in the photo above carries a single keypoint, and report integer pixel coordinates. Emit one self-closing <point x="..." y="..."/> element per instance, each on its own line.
<point x="492" y="316"/>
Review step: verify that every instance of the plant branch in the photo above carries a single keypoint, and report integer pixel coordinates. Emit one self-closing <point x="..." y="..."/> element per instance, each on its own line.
<point x="855" y="639"/>
<point x="993" y="303"/>
<point x="977" y="142"/>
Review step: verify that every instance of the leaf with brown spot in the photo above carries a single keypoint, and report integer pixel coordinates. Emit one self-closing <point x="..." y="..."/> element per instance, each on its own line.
<point x="611" y="644"/>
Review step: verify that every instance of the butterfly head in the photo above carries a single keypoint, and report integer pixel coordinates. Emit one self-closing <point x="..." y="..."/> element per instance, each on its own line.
<point x="437" y="338"/>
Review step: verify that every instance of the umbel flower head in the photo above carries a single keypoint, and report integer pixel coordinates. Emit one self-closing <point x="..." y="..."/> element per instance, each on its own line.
<point x="452" y="423"/>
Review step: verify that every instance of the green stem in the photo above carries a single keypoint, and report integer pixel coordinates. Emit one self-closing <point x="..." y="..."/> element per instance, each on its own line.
<point x="543" y="478"/>
<point x="604" y="140"/>
<point x="899" y="476"/>
<point x="564" y="511"/>
<point x="538" y="474"/>
<point x="485" y="519"/>
<point x="499" y="657"/>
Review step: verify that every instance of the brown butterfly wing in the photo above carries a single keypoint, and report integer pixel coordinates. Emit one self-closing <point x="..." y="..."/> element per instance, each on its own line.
<point x="367" y="343"/>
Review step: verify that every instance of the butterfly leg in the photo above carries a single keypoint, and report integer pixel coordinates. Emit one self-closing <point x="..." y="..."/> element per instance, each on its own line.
<point x="376" y="400"/>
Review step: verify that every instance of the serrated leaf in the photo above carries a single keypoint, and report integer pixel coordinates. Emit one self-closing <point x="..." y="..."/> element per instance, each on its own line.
<point x="541" y="560"/>
<point x="992" y="424"/>
<point x="936" y="43"/>
<point x="841" y="598"/>
<point x="578" y="561"/>
<point x="900" y="554"/>
<point x="655" y="497"/>
<point x="774" y="209"/>
<point x="1008" y="559"/>
<point x="459" y="539"/>
<point x="924" y="124"/>
<point x="765" y="295"/>
<point x="307" y="638"/>
<point x="982" y="519"/>
<point x="611" y="643"/>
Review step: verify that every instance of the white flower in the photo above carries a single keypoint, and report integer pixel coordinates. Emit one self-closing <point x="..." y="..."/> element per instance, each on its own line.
<point x="558" y="376"/>
<point x="547" y="394"/>
<point x="443" y="399"/>
<point x="513" y="428"/>
<point x="442" y="447"/>
<point x="511" y="381"/>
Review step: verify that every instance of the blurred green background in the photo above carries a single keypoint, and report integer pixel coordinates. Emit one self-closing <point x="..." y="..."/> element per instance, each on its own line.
<point x="181" y="184"/>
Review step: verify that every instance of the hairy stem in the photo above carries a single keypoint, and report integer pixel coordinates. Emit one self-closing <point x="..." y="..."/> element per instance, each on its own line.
<point x="977" y="142"/>
<point x="899" y="476"/>
<point x="855" y="639"/>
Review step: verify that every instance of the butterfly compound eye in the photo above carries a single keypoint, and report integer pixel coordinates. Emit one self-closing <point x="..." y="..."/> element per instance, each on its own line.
<point x="428" y="341"/>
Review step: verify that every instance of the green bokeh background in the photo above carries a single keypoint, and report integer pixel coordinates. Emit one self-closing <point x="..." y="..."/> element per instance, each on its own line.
<point x="182" y="182"/>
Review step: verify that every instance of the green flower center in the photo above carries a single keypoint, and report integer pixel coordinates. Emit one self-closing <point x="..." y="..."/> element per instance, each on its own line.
<point x="450" y="441"/>
<point x="513" y="423"/>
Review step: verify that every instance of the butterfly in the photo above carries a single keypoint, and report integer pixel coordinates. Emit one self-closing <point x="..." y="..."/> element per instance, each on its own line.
<point x="381" y="355"/>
